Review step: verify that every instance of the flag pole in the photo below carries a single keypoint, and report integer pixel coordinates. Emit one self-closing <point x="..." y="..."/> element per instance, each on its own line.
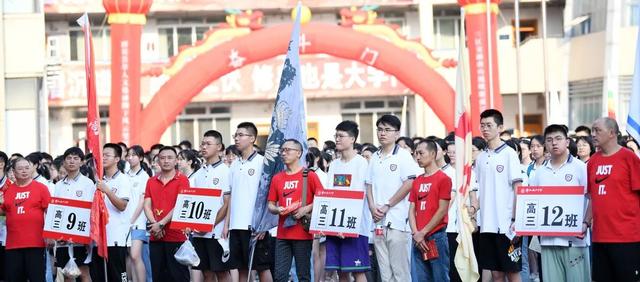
<point x="544" y="60"/>
<point x="516" y="5"/>
<point x="490" y="52"/>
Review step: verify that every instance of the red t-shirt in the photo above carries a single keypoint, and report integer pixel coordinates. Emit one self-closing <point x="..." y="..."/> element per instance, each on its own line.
<point x="426" y="192"/>
<point x="286" y="190"/>
<point x="25" y="208"/>
<point x="163" y="199"/>
<point x="614" y="186"/>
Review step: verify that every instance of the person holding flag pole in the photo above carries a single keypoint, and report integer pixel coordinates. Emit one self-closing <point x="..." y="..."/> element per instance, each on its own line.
<point x="287" y="122"/>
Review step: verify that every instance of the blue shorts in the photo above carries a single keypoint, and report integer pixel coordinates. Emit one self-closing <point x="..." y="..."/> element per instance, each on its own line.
<point x="348" y="254"/>
<point x="140" y="234"/>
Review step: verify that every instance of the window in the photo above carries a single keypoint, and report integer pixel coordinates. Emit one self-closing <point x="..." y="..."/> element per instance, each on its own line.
<point x="446" y="32"/>
<point x="101" y="44"/>
<point x="528" y="28"/>
<point x="174" y="33"/>
<point x="585" y="101"/>
<point x="198" y="118"/>
<point x="367" y="113"/>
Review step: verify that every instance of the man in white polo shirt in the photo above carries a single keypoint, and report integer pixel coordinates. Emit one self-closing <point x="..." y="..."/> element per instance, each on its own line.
<point x="214" y="174"/>
<point x="498" y="175"/>
<point x="74" y="186"/>
<point x="116" y="187"/>
<point x="390" y="175"/>
<point x="245" y="179"/>
<point x="563" y="258"/>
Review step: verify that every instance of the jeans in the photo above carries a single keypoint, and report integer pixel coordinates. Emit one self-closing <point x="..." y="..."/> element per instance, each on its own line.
<point x="288" y="249"/>
<point x="436" y="270"/>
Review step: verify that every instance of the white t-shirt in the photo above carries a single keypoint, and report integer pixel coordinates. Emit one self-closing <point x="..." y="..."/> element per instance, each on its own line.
<point x="572" y="173"/>
<point x="119" y="221"/>
<point x="386" y="174"/>
<point x="452" y="214"/>
<point x="80" y="188"/>
<point x="49" y="184"/>
<point x="138" y="184"/>
<point x="322" y="176"/>
<point x="245" y="180"/>
<point x="356" y="169"/>
<point x="216" y="175"/>
<point x="496" y="171"/>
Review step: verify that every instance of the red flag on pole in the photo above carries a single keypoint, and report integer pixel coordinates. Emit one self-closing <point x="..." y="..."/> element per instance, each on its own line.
<point x="99" y="213"/>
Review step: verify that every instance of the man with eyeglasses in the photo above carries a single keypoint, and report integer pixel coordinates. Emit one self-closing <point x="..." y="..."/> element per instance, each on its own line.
<point x="160" y="198"/>
<point x="349" y="255"/>
<point x="214" y="174"/>
<point x="498" y="175"/>
<point x="285" y="199"/>
<point x="563" y="258"/>
<point x="246" y="173"/>
<point x="614" y="190"/>
<point x="117" y="190"/>
<point x="390" y="174"/>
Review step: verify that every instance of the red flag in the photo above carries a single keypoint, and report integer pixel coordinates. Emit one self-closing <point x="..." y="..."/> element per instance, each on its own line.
<point x="99" y="213"/>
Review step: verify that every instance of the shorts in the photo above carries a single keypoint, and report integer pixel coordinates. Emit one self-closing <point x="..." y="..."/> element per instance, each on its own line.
<point x="210" y="253"/>
<point x="240" y="247"/>
<point x="79" y="254"/>
<point x="616" y="261"/>
<point x="498" y="254"/>
<point x="140" y="235"/>
<point x="348" y="254"/>
<point x="24" y="264"/>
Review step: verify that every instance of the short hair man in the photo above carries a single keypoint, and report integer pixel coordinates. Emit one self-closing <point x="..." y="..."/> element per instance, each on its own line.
<point x="498" y="175"/>
<point x="614" y="190"/>
<point x="159" y="200"/>
<point x="285" y="199"/>
<point x="563" y="258"/>
<point x="312" y="142"/>
<point x="246" y="173"/>
<point x="349" y="255"/>
<point x="390" y="174"/>
<point x="583" y="130"/>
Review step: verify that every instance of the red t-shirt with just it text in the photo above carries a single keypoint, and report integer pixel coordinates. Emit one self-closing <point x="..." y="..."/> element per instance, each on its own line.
<point x="426" y="193"/>
<point x="614" y="187"/>
<point x="25" y="209"/>
<point x="286" y="190"/>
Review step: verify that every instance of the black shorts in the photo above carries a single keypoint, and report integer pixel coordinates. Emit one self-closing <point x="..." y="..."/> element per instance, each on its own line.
<point x="210" y="253"/>
<point x="79" y="254"/>
<point x="25" y="264"/>
<point x="116" y="265"/>
<point x="616" y="261"/>
<point x="497" y="253"/>
<point x="240" y="247"/>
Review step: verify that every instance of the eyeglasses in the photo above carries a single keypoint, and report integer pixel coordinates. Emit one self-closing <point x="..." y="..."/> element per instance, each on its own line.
<point x="287" y="150"/>
<point x="385" y="130"/>
<point x="338" y="136"/>
<point x="557" y="139"/>
<point x="240" y="135"/>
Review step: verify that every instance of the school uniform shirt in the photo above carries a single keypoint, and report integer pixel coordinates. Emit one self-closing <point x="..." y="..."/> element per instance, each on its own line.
<point x="138" y="181"/>
<point x="119" y="223"/>
<point x="386" y="174"/>
<point x="351" y="176"/>
<point x="213" y="176"/>
<point x="50" y="186"/>
<point x="25" y="209"/>
<point x="614" y="186"/>
<point x="496" y="171"/>
<point x="79" y="188"/>
<point x="163" y="200"/>
<point x="426" y="193"/>
<point x="245" y="180"/>
<point x="452" y="213"/>
<point x="572" y="173"/>
<point x="286" y="190"/>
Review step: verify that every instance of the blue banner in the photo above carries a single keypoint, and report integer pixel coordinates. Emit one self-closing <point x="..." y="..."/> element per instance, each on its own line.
<point x="633" y="120"/>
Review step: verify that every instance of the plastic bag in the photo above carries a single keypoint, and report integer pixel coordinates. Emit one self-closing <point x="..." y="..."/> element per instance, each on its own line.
<point x="186" y="254"/>
<point x="71" y="269"/>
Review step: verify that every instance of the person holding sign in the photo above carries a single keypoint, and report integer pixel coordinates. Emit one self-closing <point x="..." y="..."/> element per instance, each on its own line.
<point x="498" y="175"/>
<point x="390" y="174"/>
<point x="74" y="186"/>
<point x="349" y="255"/>
<point x="160" y="197"/>
<point x="285" y="198"/>
<point x="563" y="258"/>
<point x="614" y="189"/>
<point x="116" y="187"/>
<point x="24" y="204"/>
<point x="214" y="174"/>
<point x="429" y="202"/>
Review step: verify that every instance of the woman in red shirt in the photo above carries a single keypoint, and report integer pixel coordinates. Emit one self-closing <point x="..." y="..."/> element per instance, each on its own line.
<point x="24" y="203"/>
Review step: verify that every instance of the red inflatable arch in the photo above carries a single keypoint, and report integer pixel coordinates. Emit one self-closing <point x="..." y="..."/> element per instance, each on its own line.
<point x="266" y="43"/>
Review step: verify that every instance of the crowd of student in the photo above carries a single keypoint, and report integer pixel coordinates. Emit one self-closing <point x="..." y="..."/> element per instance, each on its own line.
<point x="409" y="216"/>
